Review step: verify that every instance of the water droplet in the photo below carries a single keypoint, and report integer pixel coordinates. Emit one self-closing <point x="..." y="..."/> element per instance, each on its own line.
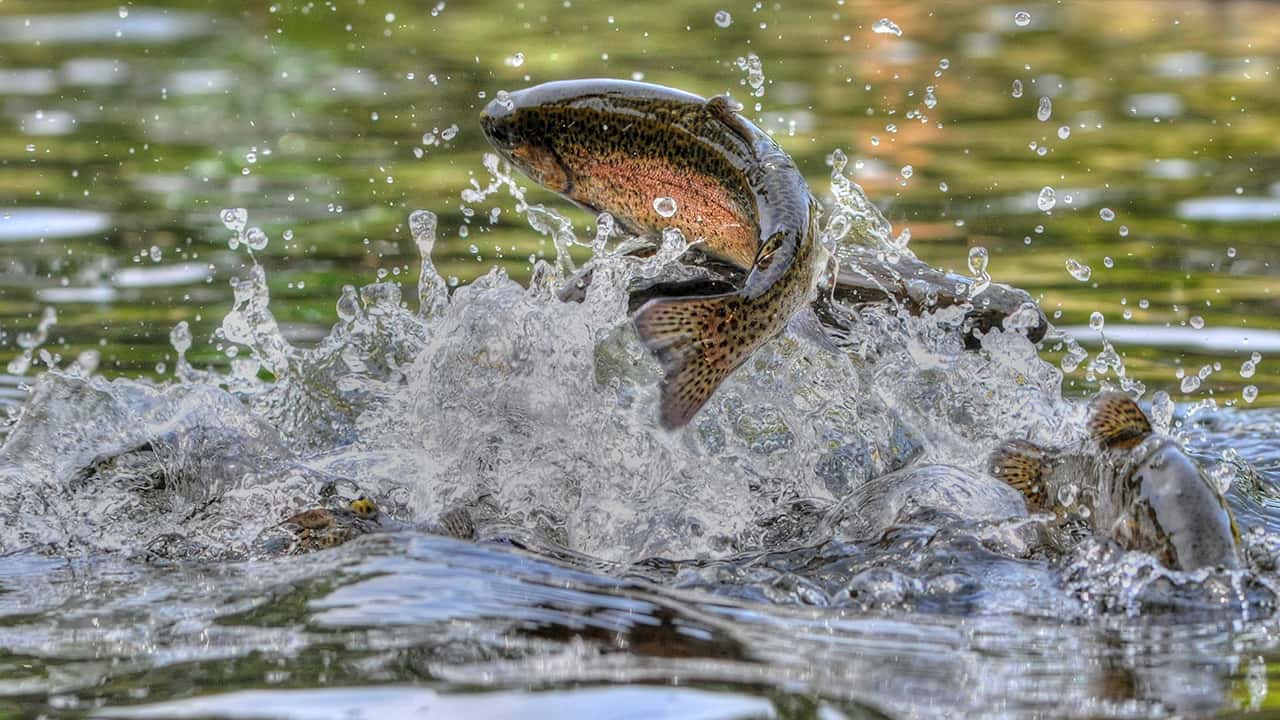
<point x="942" y="186"/>
<point x="155" y="253"/>
<point x="515" y="60"/>
<point x="1079" y="270"/>
<point x="1022" y="18"/>
<point x="1250" y="393"/>
<point x="256" y="239"/>
<point x="1097" y="321"/>
<point x="1248" y="368"/>
<point x="1107" y="214"/>
<point x="123" y="12"/>
<point x="885" y="26"/>
<point x="1124" y="231"/>
<point x="235" y="218"/>
<point x="944" y="63"/>
<point x="1190" y="383"/>
<point x="180" y="337"/>
<point x="1017" y="89"/>
<point x="665" y="206"/>
<point x="1196" y="322"/>
<point x="1046" y="199"/>
<point x="449" y="133"/>
<point x="978" y="258"/>
<point x="723" y="18"/>
<point x="1064" y="132"/>
<point x="907" y="171"/>
<point x="1045" y="110"/>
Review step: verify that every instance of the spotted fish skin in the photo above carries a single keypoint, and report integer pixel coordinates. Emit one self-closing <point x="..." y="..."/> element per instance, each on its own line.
<point x="1141" y="488"/>
<point x="615" y="146"/>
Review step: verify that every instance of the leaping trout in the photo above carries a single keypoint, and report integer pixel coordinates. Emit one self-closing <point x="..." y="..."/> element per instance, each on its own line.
<point x="619" y="147"/>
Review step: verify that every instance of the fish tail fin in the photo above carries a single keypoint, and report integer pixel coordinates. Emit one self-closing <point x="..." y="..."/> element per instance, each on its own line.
<point x="1023" y="466"/>
<point x="1116" y="421"/>
<point x="690" y="338"/>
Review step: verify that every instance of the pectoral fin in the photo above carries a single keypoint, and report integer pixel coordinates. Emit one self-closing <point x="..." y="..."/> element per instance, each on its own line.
<point x="1116" y="421"/>
<point x="1024" y="466"/>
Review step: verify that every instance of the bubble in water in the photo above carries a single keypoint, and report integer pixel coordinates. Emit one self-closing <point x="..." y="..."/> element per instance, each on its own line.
<point x="1064" y="132"/>
<point x="1017" y="89"/>
<point x="1046" y="199"/>
<point x="723" y="18"/>
<point x="1250" y="393"/>
<point x="1045" y="110"/>
<point x="665" y="206"/>
<point x="1097" y="321"/>
<point x="1022" y="18"/>
<point x="885" y="26"/>
<point x="1079" y="270"/>
<point x="1107" y="214"/>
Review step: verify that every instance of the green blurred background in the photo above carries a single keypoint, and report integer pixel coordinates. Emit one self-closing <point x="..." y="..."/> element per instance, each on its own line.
<point x="127" y="128"/>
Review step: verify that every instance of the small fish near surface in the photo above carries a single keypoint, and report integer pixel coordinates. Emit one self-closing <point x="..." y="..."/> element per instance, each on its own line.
<point x="627" y="148"/>
<point x="1140" y="488"/>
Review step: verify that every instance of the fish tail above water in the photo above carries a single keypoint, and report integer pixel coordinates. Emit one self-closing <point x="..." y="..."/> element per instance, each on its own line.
<point x="698" y="341"/>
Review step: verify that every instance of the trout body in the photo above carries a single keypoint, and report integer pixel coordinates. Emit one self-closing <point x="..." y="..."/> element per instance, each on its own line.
<point x="624" y="148"/>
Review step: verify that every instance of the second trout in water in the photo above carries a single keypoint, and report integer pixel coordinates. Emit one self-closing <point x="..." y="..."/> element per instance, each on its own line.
<point x="619" y="147"/>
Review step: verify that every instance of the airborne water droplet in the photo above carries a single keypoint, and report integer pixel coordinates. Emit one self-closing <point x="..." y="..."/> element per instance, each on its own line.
<point x="1064" y="132"/>
<point x="1107" y="214"/>
<point x="1047" y="199"/>
<point x="1097" y="321"/>
<point x="885" y="26"/>
<point x="1250" y="393"/>
<point x="1079" y="270"/>
<point x="1022" y="18"/>
<point x="665" y="206"/>
<point x="1045" y="110"/>
<point x="723" y="18"/>
<point x="1017" y="89"/>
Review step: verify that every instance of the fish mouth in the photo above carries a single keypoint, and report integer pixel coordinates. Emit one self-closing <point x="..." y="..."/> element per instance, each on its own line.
<point x="495" y="123"/>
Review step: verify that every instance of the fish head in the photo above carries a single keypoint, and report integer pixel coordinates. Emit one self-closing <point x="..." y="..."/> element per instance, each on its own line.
<point x="1173" y="509"/>
<point x="514" y="125"/>
<point x="1142" y="489"/>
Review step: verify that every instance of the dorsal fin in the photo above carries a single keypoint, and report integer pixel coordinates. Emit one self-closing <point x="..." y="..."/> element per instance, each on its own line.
<point x="1024" y="466"/>
<point x="725" y="109"/>
<point x="1116" y="421"/>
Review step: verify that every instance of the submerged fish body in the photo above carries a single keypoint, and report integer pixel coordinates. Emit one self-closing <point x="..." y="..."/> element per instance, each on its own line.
<point x="1140" y="488"/>
<point x="633" y="149"/>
